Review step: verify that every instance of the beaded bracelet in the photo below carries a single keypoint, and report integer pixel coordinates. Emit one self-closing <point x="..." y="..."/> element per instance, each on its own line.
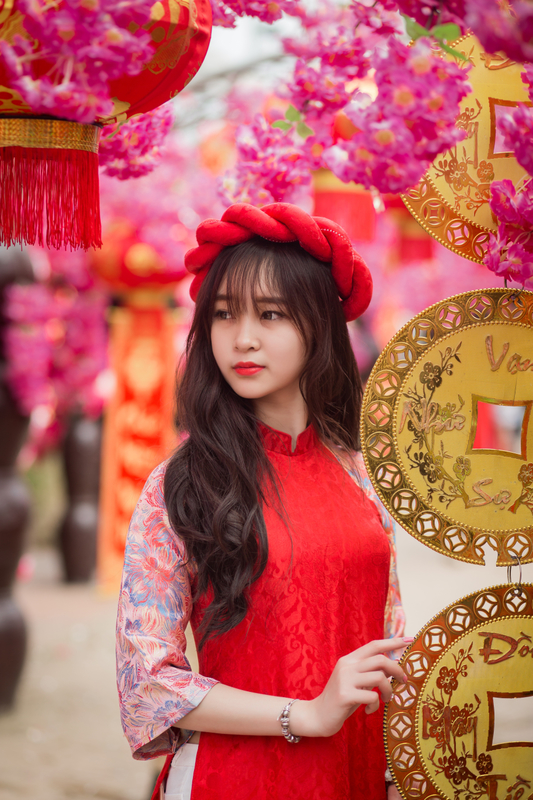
<point x="284" y="719"/>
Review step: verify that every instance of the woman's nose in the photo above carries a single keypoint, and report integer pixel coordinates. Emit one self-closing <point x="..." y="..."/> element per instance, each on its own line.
<point x="246" y="337"/>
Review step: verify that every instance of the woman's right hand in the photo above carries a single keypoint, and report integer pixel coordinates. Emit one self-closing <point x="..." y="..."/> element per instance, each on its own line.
<point x="358" y="678"/>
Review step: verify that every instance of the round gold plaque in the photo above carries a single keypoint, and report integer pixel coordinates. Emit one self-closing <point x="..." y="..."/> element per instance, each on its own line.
<point x="451" y="202"/>
<point x="461" y="727"/>
<point x="420" y="426"/>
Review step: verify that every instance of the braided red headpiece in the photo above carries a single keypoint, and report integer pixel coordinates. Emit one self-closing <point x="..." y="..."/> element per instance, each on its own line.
<point x="284" y="222"/>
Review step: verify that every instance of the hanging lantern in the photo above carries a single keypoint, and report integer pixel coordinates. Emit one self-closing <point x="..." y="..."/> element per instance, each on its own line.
<point x="126" y="262"/>
<point x="349" y="204"/>
<point x="48" y="166"/>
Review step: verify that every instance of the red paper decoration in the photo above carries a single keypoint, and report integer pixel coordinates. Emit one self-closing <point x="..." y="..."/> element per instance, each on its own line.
<point x="348" y="204"/>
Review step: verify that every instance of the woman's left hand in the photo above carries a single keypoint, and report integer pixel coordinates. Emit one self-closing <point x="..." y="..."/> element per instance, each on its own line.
<point x="393" y="793"/>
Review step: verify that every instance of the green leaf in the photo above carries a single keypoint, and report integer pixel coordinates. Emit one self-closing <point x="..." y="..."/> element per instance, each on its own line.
<point x="293" y="114"/>
<point x="413" y="29"/>
<point x="452" y="52"/>
<point x="280" y="123"/>
<point x="304" y="130"/>
<point x="117" y="129"/>
<point x="448" y="32"/>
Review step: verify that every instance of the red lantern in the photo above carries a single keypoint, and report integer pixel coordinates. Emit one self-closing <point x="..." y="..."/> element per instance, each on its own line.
<point x="125" y="262"/>
<point x="49" y="167"/>
<point x="349" y="204"/>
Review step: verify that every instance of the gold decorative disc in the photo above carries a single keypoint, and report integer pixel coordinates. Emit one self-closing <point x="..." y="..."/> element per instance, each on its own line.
<point x="420" y="417"/>
<point x="451" y="202"/>
<point x="461" y="727"/>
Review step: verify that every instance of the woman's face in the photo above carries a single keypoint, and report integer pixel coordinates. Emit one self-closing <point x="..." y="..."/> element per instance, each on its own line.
<point x="259" y="351"/>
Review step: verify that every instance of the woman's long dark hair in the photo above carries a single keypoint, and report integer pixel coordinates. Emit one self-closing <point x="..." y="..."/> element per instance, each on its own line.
<point x="215" y="483"/>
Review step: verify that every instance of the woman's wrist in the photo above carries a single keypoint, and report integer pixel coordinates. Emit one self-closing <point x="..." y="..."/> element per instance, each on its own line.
<point x="303" y="719"/>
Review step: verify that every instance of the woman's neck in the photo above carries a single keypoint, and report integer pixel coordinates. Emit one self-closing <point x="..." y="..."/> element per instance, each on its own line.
<point x="288" y="418"/>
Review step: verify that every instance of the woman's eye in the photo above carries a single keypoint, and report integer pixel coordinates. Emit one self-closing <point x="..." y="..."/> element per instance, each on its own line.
<point x="222" y="313"/>
<point x="271" y="315"/>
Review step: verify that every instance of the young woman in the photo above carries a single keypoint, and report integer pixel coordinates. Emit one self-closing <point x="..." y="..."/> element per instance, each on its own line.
<point x="259" y="530"/>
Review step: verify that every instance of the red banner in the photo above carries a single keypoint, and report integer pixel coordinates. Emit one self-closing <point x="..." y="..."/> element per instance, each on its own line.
<point x="138" y="429"/>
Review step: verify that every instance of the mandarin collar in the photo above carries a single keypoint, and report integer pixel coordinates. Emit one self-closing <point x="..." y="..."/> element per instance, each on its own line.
<point x="280" y="442"/>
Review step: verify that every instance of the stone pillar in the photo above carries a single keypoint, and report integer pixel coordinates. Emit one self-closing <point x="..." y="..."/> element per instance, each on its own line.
<point x="77" y="535"/>
<point x="15" y="266"/>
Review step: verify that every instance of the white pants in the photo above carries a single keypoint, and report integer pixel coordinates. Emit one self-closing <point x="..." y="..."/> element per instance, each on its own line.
<point x="179" y="781"/>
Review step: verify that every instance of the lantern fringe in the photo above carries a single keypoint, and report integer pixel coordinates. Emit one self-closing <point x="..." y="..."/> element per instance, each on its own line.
<point x="49" y="196"/>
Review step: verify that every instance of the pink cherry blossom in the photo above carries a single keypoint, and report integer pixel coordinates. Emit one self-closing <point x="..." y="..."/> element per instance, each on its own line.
<point x="434" y="12"/>
<point x="223" y="16"/>
<point x="269" y="166"/>
<point x="517" y="128"/>
<point x="410" y="122"/>
<point x="134" y="148"/>
<point x="378" y="17"/>
<point x="512" y="260"/>
<point x="502" y="26"/>
<point x="225" y="12"/>
<point x="510" y="253"/>
<point x="314" y="91"/>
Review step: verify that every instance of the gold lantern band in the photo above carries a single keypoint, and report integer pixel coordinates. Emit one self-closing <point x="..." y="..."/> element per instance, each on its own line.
<point x="57" y="134"/>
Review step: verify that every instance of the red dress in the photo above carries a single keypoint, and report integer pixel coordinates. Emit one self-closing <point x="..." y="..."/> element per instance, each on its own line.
<point x="322" y="595"/>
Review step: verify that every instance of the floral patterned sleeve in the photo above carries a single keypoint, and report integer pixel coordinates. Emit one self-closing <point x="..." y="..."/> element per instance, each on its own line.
<point x="394" y="613"/>
<point x="155" y="682"/>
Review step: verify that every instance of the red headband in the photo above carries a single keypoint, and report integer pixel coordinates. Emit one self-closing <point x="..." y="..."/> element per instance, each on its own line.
<point x="284" y="222"/>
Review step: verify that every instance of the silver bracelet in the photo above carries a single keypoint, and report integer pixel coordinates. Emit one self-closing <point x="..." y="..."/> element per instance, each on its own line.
<point x="284" y="719"/>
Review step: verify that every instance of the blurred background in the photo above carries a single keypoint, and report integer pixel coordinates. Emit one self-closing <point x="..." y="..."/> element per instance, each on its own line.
<point x="91" y="344"/>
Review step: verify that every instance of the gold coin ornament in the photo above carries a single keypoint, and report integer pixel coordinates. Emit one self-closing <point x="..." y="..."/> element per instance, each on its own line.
<point x="421" y="409"/>
<point x="451" y="202"/>
<point x="461" y="727"/>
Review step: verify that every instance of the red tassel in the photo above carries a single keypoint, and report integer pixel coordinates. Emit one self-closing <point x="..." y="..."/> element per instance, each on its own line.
<point x="49" y="196"/>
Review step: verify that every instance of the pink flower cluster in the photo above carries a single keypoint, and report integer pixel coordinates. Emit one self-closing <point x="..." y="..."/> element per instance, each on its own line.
<point x="502" y="26"/>
<point x="517" y="127"/>
<point x="341" y="50"/>
<point x="225" y="12"/>
<point x="134" y="148"/>
<point x="88" y="43"/>
<point x="410" y="122"/>
<point x="269" y="166"/>
<point x="435" y="12"/>
<point x="342" y="38"/>
<point x="386" y="143"/>
<point x="315" y="91"/>
<point x="56" y="347"/>
<point x="510" y="253"/>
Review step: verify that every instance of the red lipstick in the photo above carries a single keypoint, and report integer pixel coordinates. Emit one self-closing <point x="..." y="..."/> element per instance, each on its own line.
<point x="247" y="368"/>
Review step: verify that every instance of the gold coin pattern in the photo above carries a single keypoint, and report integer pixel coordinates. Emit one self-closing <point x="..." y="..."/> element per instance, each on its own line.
<point x="442" y="727"/>
<point x="420" y="418"/>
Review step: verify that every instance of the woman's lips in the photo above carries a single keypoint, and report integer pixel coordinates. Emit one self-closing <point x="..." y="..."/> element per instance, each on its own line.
<point x="247" y="368"/>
